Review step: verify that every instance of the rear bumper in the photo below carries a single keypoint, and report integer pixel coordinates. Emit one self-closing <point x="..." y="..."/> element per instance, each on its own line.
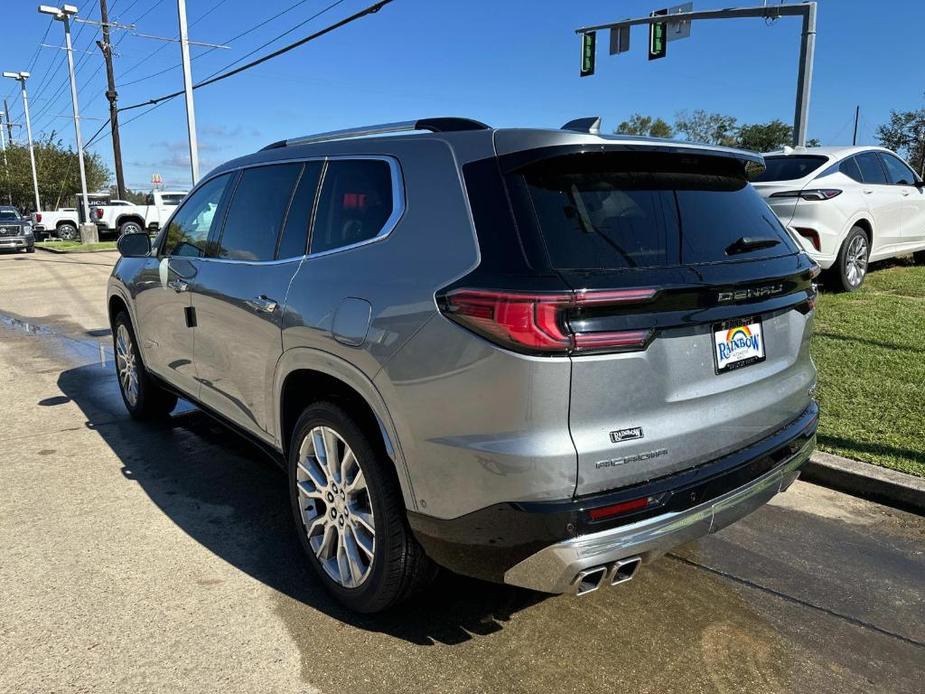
<point x="544" y="545"/>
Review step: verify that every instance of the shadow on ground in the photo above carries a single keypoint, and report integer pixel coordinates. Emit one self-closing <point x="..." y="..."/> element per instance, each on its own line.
<point x="232" y="498"/>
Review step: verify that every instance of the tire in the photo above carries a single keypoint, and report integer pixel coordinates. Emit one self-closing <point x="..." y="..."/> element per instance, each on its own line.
<point x="130" y="227"/>
<point x="68" y="232"/>
<point x="850" y="267"/>
<point x="143" y="397"/>
<point x="367" y="523"/>
<point x="30" y="249"/>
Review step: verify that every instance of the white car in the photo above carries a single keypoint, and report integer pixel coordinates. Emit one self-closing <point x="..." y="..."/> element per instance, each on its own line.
<point x="851" y="206"/>
<point x="134" y="219"/>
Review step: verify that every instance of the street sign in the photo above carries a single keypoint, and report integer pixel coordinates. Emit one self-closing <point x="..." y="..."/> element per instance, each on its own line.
<point x="588" y="47"/>
<point x="619" y="40"/>
<point x="679" y="28"/>
<point x="658" y="44"/>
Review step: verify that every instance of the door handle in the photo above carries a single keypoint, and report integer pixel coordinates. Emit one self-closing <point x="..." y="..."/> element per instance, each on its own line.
<point x="264" y="304"/>
<point x="178" y="285"/>
<point x="905" y="193"/>
<point x="867" y="191"/>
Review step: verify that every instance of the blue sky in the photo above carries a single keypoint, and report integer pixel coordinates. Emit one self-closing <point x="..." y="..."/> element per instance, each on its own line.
<point x="506" y="62"/>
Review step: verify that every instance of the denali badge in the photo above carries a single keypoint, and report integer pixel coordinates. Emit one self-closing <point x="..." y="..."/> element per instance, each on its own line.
<point x="613" y="462"/>
<point x="750" y="293"/>
<point x="626" y="434"/>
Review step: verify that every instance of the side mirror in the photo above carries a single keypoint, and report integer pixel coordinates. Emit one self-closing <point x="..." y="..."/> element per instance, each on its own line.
<point x="134" y="245"/>
<point x="919" y="184"/>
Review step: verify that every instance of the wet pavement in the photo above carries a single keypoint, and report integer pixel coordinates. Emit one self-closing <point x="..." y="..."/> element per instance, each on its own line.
<point x="142" y="557"/>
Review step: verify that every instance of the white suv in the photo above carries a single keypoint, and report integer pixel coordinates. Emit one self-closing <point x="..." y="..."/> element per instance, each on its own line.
<point x="851" y="205"/>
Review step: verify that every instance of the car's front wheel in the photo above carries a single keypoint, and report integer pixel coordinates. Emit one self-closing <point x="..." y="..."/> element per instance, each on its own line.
<point x="850" y="267"/>
<point x="349" y="512"/>
<point x="143" y="397"/>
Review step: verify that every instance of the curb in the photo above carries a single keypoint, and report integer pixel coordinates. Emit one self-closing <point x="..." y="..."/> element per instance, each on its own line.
<point x="884" y="486"/>
<point x="61" y="251"/>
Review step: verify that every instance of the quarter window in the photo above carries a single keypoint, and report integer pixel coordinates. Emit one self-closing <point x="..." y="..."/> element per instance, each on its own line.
<point x="294" y="241"/>
<point x="256" y="213"/>
<point x="188" y="231"/>
<point x="849" y="167"/>
<point x="899" y="173"/>
<point x="355" y="203"/>
<point x="871" y="170"/>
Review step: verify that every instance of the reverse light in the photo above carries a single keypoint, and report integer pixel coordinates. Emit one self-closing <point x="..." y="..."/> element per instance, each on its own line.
<point x="810" y="194"/>
<point x="536" y="322"/>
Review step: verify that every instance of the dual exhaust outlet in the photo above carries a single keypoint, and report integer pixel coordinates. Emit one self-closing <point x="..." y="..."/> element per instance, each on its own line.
<point x="617" y="572"/>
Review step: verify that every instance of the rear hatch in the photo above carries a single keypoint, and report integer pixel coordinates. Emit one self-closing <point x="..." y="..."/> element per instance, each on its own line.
<point x="786" y="175"/>
<point x="721" y="318"/>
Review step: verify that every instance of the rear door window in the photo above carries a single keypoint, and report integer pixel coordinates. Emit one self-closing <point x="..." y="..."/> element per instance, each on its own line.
<point x="294" y="241"/>
<point x="871" y="170"/>
<point x="616" y="210"/>
<point x="789" y="168"/>
<point x="898" y="172"/>
<point x="354" y="205"/>
<point x="256" y="213"/>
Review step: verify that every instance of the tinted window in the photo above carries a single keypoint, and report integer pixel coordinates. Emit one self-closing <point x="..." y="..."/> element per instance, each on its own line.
<point x="9" y="214"/>
<point x="171" y="198"/>
<point x="849" y="167"/>
<point x="871" y="171"/>
<point x="627" y="210"/>
<point x="189" y="229"/>
<point x="789" y="168"/>
<point x="898" y="172"/>
<point x="294" y="241"/>
<point x="355" y="203"/>
<point x="256" y="212"/>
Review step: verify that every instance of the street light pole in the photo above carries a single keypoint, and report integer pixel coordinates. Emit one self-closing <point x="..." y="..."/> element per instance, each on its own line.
<point x="6" y="165"/>
<point x="21" y="77"/>
<point x="63" y="14"/>
<point x="188" y="92"/>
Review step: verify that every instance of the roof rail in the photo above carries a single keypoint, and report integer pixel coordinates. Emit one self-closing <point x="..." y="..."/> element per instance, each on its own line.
<point x="434" y="125"/>
<point x="590" y="125"/>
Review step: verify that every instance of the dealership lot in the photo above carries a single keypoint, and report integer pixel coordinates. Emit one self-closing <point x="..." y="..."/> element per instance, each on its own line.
<point x="164" y="556"/>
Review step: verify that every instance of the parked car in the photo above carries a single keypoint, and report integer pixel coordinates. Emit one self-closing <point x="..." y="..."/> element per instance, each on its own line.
<point x="61" y="223"/>
<point x="15" y="230"/>
<point x="539" y="357"/>
<point x="854" y="205"/>
<point x="134" y="219"/>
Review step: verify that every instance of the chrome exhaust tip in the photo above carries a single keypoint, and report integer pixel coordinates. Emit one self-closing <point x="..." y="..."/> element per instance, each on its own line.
<point x="623" y="570"/>
<point x="589" y="580"/>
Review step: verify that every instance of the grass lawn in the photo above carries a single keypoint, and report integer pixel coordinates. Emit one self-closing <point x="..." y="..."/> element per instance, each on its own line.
<point x="869" y="348"/>
<point x="76" y="246"/>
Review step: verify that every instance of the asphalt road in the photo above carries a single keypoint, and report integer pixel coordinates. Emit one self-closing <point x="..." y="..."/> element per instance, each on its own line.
<point x="162" y="558"/>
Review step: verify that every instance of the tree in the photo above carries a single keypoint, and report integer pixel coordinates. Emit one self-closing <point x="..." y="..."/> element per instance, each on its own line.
<point x="764" y="137"/>
<point x="905" y="134"/>
<point x="57" y="171"/>
<point x="639" y="124"/>
<point x="709" y="128"/>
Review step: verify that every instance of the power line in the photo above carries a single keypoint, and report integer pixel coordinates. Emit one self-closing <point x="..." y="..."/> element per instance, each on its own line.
<point x="216" y="77"/>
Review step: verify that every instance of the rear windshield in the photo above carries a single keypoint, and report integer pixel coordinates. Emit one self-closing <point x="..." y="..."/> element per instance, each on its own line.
<point x="627" y="210"/>
<point x="789" y="168"/>
<point x="172" y="198"/>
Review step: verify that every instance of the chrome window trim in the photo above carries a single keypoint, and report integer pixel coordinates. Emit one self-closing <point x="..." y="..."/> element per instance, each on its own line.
<point x="398" y="204"/>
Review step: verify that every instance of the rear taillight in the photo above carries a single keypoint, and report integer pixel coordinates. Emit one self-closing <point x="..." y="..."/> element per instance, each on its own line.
<point x="538" y="322"/>
<point x="38" y="217"/>
<point x="98" y="211"/>
<point x="624" y="507"/>
<point x="811" y="235"/>
<point x="810" y="194"/>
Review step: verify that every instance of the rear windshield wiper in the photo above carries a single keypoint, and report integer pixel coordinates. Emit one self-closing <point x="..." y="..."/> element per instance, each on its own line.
<point x="750" y="243"/>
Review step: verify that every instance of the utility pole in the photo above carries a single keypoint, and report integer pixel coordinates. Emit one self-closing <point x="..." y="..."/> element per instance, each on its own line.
<point x="807" y="44"/>
<point x="6" y="165"/>
<point x="21" y="77"/>
<point x="9" y="125"/>
<point x="188" y="92"/>
<point x="857" y="117"/>
<point x="113" y="97"/>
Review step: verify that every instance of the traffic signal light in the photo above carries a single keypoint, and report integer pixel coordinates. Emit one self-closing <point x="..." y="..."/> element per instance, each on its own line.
<point x="658" y="37"/>
<point x="588" y="49"/>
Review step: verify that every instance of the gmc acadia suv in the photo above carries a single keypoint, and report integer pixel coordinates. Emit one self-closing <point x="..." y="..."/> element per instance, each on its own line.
<point x="540" y="357"/>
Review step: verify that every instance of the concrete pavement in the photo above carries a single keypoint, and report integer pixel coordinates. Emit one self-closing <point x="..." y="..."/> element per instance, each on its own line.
<point x="151" y="558"/>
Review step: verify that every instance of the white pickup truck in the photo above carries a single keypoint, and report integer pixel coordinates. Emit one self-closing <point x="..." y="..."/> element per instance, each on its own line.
<point x="133" y="219"/>
<point x="64" y="222"/>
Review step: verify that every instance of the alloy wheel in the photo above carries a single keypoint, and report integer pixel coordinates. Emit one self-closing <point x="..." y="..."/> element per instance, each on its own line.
<point x="856" y="260"/>
<point x="126" y="365"/>
<point x="336" y="507"/>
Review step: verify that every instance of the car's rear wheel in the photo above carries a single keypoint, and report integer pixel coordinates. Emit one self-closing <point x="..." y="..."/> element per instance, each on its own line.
<point x="30" y="249"/>
<point x="850" y="267"/>
<point x="68" y="232"/>
<point x="143" y="397"/>
<point x="349" y="512"/>
<point x="130" y="227"/>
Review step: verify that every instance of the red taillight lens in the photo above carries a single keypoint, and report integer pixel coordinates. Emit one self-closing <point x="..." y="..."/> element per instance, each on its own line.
<point x="38" y="217"/>
<point x="536" y="322"/>
<point x="98" y="211"/>
<point x="809" y="194"/>
<point x="811" y="234"/>
<point x="620" y="509"/>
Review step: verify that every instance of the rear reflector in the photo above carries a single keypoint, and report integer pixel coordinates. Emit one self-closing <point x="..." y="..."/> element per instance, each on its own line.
<point x="623" y="507"/>
<point x="537" y="322"/>
<point x="810" y="234"/>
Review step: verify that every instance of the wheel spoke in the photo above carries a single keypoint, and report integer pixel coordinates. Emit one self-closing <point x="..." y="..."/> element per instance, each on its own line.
<point x="357" y="484"/>
<point x="310" y="491"/>
<point x="347" y="463"/>
<point x="365" y="520"/>
<point x="331" y="457"/>
<point x="343" y="564"/>
<point x="353" y="559"/>
<point x="363" y="542"/>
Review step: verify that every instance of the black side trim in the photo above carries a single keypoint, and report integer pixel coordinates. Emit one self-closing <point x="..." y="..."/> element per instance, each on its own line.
<point x="450" y="124"/>
<point x="486" y="543"/>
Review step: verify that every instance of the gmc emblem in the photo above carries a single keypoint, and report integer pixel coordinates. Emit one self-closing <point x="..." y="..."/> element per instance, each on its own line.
<point x="750" y="293"/>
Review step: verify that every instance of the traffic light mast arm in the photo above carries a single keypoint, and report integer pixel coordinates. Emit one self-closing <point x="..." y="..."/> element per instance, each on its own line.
<point x="807" y="44"/>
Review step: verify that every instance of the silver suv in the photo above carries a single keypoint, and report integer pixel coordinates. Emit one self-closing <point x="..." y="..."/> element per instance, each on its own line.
<point x="540" y="357"/>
